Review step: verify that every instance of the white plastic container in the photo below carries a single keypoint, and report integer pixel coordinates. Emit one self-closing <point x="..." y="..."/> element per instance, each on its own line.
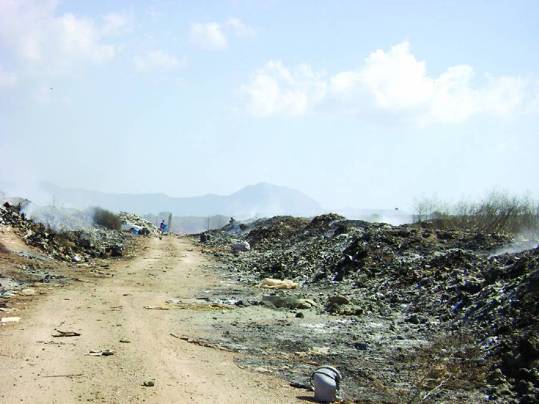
<point x="325" y="381"/>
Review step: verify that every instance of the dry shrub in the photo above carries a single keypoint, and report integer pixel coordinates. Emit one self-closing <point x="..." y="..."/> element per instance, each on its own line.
<point x="107" y="219"/>
<point x="451" y="363"/>
<point x="499" y="212"/>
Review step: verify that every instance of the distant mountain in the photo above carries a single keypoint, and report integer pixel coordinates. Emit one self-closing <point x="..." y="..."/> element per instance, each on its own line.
<point x="254" y="200"/>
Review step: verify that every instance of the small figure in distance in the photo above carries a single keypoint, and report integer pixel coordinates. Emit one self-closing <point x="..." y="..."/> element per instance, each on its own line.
<point x="162" y="228"/>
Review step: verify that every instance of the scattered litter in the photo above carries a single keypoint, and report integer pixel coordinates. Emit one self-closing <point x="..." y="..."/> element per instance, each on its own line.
<point x="54" y="343"/>
<point x="67" y="375"/>
<point x="319" y="350"/>
<point x="49" y="228"/>
<point x="199" y="306"/>
<point x="240" y="246"/>
<point x="299" y="385"/>
<point x="401" y="288"/>
<point x="10" y="319"/>
<point x="201" y="342"/>
<point x="28" y="292"/>
<point x="104" y="352"/>
<point x="125" y="341"/>
<point x="269" y="283"/>
<point x="65" y="333"/>
<point x="338" y="300"/>
<point x="261" y="369"/>
<point x="156" y="308"/>
<point x="288" y="302"/>
<point x="148" y="383"/>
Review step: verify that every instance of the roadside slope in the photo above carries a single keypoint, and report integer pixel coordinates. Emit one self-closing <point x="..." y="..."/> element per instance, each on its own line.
<point x="39" y="368"/>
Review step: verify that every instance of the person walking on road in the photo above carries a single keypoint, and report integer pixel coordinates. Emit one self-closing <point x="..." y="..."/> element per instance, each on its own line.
<point x="162" y="228"/>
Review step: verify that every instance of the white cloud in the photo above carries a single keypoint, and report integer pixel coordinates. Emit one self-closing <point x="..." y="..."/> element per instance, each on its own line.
<point x="39" y="39"/>
<point x="214" y="35"/>
<point x="7" y="79"/>
<point x="394" y="82"/>
<point x="157" y="60"/>
<point x="395" y="79"/>
<point x="209" y="36"/>
<point x="278" y="90"/>
<point x="115" y="23"/>
<point x="239" y="28"/>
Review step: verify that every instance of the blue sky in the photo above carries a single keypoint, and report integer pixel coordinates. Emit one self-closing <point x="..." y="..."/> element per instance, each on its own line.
<point x="356" y="103"/>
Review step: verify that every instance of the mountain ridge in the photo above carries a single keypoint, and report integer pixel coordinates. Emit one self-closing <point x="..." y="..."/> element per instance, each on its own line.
<point x="257" y="200"/>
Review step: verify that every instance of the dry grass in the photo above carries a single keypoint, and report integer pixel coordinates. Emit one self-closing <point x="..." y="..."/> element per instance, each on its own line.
<point x="450" y="363"/>
<point x="498" y="212"/>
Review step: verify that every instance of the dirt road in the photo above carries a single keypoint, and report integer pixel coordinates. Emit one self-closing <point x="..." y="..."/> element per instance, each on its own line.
<point x="109" y="314"/>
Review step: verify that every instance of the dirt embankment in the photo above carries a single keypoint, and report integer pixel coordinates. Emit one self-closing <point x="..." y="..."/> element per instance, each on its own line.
<point x="121" y="309"/>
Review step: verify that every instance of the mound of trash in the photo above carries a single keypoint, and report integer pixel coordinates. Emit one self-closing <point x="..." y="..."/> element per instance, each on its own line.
<point x="426" y="276"/>
<point x="137" y="225"/>
<point x="67" y="245"/>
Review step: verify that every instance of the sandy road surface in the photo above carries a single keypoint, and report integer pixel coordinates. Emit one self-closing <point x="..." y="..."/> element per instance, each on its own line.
<point x="37" y="368"/>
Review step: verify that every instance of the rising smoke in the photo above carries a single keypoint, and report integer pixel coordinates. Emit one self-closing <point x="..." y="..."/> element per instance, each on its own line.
<point x="527" y="240"/>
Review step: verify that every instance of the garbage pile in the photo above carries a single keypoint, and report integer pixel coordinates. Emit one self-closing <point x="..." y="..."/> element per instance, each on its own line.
<point x="58" y="219"/>
<point x="69" y="245"/>
<point x="430" y="278"/>
<point x="137" y="225"/>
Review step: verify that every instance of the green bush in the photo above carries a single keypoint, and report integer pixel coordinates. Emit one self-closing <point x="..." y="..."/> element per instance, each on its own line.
<point x="107" y="219"/>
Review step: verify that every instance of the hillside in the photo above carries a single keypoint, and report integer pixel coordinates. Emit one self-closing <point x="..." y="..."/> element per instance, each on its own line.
<point x="255" y="200"/>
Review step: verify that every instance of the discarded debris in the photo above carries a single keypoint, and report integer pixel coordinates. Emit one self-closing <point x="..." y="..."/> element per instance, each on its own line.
<point x="156" y="308"/>
<point x="148" y="383"/>
<point x="125" y="341"/>
<point x="338" y="300"/>
<point x="54" y="343"/>
<point x="240" y="246"/>
<point x="391" y="290"/>
<point x="104" y="352"/>
<point x="192" y="304"/>
<point x="299" y="385"/>
<point x="288" y="302"/>
<point x="137" y="225"/>
<point x="201" y="342"/>
<point x="65" y="333"/>
<point x="326" y="384"/>
<point x="66" y="375"/>
<point x="261" y="369"/>
<point x="10" y="319"/>
<point x="63" y="234"/>
<point x="319" y="350"/>
<point x="28" y="292"/>
<point x="269" y="283"/>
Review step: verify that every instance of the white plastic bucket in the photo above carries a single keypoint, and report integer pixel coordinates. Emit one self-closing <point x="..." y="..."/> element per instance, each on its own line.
<point x="325" y="381"/>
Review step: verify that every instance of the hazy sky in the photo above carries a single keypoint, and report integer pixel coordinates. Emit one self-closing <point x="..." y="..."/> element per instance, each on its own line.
<point x="356" y="103"/>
